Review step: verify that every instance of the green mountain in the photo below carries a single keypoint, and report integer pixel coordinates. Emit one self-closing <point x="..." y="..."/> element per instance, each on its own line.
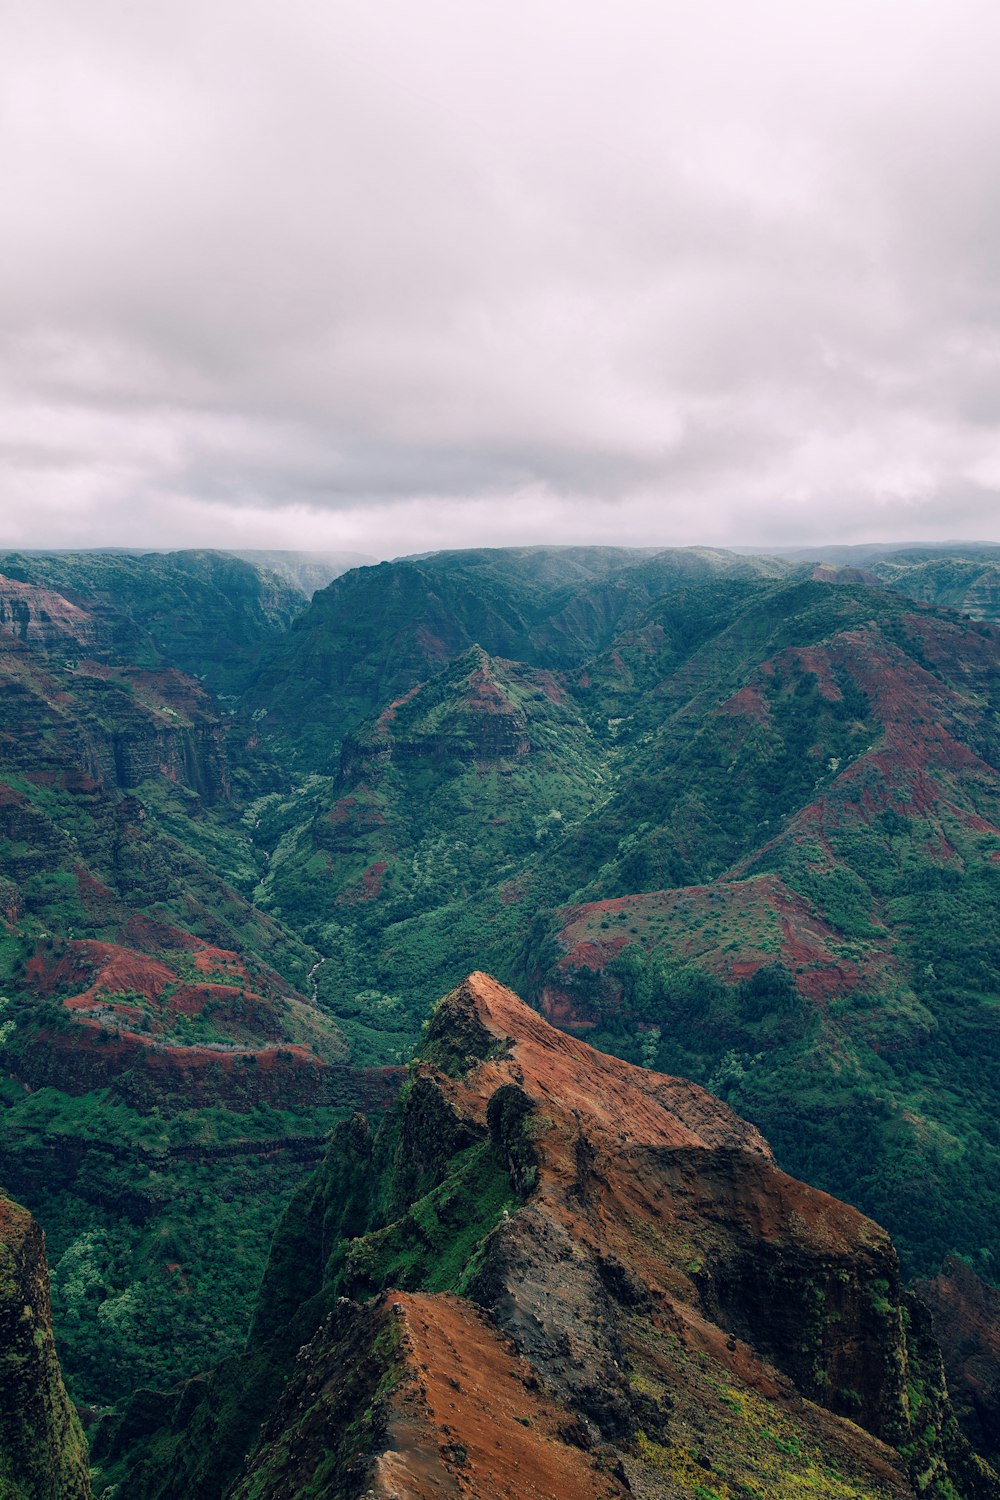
<point x="761" y="854"/>
<point x="43" y="1455"/>
<point x="966" y="579"/>
<point x="376" y="632"/>
<point x="165" y="1072"/>
<point x="201" y="612"/>
<point x="731" y="818"/>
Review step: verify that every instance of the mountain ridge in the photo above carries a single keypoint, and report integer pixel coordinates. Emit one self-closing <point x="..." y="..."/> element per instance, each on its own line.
<point x="615" y="1305"/>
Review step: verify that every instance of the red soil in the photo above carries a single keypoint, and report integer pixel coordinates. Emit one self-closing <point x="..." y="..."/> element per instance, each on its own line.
<point x="559" y="1008"/>
<point x="101" y="968"/>
<point x="431" y="645"/>
<point x="748" y="703"/>
<point x="387" y="715"/>
<point x="149" y="934"/>
<point x="347" y="809"/>
<point x="100" y="971"/>
<point x="368" y="888"/>
<point x="569" y="1080"/>
<point x="95" y="897"/>
<point x="469" y="1417"/>
<point x="549" y="686"/>
<point x="209" y="960"/>
<point x="761" y="905"/>
<point x="51" y="617"/>
<point x="484" y="694"/>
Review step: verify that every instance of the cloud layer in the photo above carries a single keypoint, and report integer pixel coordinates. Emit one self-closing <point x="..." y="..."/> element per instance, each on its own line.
<point x="403" y="276"/>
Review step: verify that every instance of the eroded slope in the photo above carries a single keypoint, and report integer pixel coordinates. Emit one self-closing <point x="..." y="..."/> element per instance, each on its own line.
<point x="658" y="1305"/>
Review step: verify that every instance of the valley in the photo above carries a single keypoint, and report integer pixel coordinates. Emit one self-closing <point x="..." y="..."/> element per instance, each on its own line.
<point x="727" y="819"/>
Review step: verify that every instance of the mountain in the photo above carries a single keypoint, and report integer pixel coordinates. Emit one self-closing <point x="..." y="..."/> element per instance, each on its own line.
<point x="167" y="1075"/>
<point x="376" y="632"/>
<point x="752" y="839"/>
<point x="792" y="897"/>
<point x="199" y="611"/>
<point x="966" y="579"/>
<point x="305" y="571"/>
<point x="965" y="1317"/>
<point x="551" y="1273"/>
<point x="732" y="819"/>
<point x="42" y="1452"/>
<point x="442" y="796"/>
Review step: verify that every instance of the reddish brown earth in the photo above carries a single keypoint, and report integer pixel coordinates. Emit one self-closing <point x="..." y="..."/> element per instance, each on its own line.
<point x="39" y="616"/>
<point x="462" y="1414"/>
<point x="368" y="888"/>
<point x="132" y="1015"/>
<point x="469" y="1397"/>
<point x="919" y="763"/>
<point x="664" y="1273"/>
<point x="568" y="1081"/>
<point x="769" y="922"/>
<point x="659" y="1311"/>
<point x="748" y="703"/>
<point x="662" y="1312"/>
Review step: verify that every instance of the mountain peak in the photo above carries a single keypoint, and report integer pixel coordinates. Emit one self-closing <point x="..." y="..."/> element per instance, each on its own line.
<point x="482" y="1036"/>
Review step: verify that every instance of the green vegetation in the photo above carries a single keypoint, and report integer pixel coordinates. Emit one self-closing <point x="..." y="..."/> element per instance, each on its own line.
<point x="146" y="1216"/>
<point x="740" y="822"/>
<point x="407" y="1207"/>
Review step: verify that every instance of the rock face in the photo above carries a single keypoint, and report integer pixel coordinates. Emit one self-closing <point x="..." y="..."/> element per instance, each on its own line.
<point x="421" y="1396"/>
<point x="40" y="616"/>
<point x="965" y="1314"/>
<point x="553" y="1273"/>
<point x="42" y="1452"/>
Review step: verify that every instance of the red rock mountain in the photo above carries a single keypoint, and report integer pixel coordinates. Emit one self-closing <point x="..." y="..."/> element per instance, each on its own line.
<point x="556" y="1274"/>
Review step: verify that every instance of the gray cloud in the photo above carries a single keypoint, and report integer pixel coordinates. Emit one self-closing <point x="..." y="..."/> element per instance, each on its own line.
<point x="397" y="276"/>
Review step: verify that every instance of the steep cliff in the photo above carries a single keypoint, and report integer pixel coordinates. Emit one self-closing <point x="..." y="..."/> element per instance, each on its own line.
<point x="42" y="1452"/>
<point x="657" y="1306"/>
<point x="965" y="1316"/>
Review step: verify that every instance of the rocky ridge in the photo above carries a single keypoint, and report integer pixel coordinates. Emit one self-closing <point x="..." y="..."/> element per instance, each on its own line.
<point x="551" y="1272"/>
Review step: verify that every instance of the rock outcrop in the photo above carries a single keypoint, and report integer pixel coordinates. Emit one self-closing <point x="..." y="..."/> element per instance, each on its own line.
<point x="551" y="1272"/>
<point x="42" y="1452"/>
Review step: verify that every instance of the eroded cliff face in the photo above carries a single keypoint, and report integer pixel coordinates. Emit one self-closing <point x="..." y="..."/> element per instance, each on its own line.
<point x="965" y="1316"/>
<point x="422" y="1396"/>
<point x="42" y="617"/>
<point x="553" y="1273"/>
<point x="42" y="1452"/>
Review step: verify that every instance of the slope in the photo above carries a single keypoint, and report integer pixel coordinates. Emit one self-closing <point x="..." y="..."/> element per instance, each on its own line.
<point x="657" y="1308"/>
<point x="42" y="1452"/>
<point x="796" y="898"/>
<point x="376" y="632"/>
<point x="164" y="1078"/>
<point x="440" y="800"/>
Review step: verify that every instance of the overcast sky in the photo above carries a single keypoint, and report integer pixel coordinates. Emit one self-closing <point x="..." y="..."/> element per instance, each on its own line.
<point x="401" y="274"/>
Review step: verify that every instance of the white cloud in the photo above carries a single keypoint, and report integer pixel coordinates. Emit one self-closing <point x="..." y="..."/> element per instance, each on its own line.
<point x="397" y="276"/>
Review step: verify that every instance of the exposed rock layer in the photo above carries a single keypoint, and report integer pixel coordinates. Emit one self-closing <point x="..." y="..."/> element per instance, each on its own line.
<point x="659" y="1306"/>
